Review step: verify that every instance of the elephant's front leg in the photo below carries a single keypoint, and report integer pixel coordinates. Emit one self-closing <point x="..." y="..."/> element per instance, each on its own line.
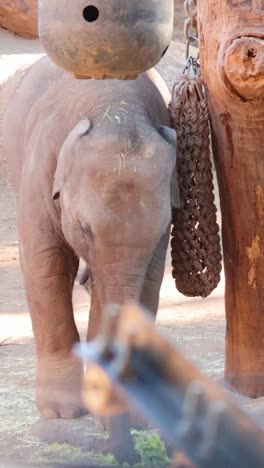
<point x="49" y="272"/>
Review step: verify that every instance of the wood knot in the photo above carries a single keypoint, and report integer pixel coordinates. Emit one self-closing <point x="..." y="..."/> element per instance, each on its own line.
<point x="244" y="66"/>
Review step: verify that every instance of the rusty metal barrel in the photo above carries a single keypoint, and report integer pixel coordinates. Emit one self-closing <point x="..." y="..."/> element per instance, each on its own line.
<point x="106" y="39"/>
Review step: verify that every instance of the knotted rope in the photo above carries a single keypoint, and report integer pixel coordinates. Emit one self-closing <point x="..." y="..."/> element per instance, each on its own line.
<point x="196" y="249"/>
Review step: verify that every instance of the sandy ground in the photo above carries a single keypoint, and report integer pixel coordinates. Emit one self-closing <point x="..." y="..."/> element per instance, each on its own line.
<point x="196" y="326"/>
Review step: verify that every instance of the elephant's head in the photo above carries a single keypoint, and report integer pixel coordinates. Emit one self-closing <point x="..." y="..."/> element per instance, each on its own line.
<point x="115" y="196"/>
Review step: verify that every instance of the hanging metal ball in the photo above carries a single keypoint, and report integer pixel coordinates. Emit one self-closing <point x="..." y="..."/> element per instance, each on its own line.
<point x="106" y="39"/>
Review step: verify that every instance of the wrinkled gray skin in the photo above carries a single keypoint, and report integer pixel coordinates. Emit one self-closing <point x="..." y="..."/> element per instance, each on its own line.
<point x="92" y="168"/>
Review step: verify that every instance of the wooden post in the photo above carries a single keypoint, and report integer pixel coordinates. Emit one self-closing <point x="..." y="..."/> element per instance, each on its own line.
<point x="20" y="17"/>
<point x="232" y="59"/>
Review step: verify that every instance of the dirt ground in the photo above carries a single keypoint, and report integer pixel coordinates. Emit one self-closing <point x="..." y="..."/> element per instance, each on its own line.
<point x="196" y="326"/>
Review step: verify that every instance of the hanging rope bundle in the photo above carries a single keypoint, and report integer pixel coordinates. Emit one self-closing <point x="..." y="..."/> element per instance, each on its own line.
<point x="196" y="250"/>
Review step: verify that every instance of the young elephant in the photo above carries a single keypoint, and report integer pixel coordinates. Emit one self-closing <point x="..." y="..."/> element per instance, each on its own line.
<point x="92" y="163"/>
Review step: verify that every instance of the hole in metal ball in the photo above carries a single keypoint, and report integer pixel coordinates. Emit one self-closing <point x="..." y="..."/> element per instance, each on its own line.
<point x="90" y="13"/>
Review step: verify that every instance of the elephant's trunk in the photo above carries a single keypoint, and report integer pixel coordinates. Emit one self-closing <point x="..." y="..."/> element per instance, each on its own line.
<point x="121" y="282"/>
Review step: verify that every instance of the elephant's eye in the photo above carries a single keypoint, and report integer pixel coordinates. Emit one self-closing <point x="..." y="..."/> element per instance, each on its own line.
<point x="86" y="230"/>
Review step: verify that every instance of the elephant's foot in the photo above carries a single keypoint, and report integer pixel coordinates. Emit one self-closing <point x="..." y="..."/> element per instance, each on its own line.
<point x="58" y="392"/>
<point x="124" y="452"/>
<point x="136" y="422"/>
<point x="120" y="442"/>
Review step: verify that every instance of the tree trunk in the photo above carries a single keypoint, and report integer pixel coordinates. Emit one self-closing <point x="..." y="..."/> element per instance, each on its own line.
<point x="232" y="59"/>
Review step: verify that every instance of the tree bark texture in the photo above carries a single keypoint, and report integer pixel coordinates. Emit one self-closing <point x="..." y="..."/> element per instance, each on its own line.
<point x="20" y="17"/>
<point x="232" y="60"/>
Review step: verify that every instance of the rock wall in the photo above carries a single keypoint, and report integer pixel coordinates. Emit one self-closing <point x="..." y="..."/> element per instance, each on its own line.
<point x="20" y="17"/>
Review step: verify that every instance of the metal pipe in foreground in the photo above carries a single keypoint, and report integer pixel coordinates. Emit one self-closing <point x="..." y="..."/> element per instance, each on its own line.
<point x="132" y="364"/>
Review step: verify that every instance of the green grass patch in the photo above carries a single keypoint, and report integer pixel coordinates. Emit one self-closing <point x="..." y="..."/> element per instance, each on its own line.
<point x="151" y="449"/>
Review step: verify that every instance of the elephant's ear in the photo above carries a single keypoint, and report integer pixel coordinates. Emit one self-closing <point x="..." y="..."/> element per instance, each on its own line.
<point x="66" y="156"/>
<point x="168" y="134"/>
<point x="175" y="192"/>
<point x="82" y="128"/>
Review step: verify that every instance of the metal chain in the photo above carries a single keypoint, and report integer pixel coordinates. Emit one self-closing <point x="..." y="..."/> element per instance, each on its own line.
<point x="190" y="25"/>
<point x="191" y="37"/>
<point x="190" y="8"/>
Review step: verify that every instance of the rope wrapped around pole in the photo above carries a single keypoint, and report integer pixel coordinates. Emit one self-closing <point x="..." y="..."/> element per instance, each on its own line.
<point x="195" y="244"/>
